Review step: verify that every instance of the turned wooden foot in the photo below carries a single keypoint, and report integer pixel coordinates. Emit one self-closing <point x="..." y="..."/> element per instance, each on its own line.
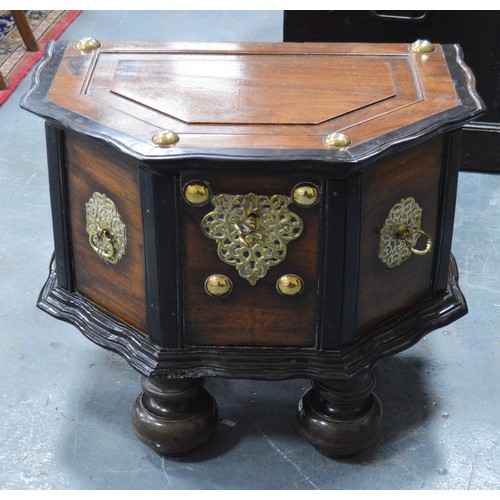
<point x="174" y="416"/>
<point x="340" y="418"/>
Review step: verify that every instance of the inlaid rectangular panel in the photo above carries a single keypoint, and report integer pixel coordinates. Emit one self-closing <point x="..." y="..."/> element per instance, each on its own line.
<point x="226" y="96"/>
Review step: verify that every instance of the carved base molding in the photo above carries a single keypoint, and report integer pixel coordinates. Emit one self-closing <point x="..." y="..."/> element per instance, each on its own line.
<point x="393" y="336"/>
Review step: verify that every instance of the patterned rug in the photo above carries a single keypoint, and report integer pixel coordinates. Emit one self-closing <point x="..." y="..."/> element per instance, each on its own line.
<point x="15" y="60"/>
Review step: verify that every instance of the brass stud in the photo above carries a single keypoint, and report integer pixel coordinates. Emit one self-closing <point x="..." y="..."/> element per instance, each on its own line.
<point x="165" y="138"/>
<point x="87" y="44"/>
<point x="218" y="285"/>
<point x="422" y="47"/>
<point x="337" y="140"/>
<point x="305" y="195"/>
<point x="197" y="193"/>
<point x="290" y="285"/>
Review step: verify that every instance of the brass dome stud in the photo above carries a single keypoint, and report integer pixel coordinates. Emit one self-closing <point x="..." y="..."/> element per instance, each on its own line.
<point x="218" y="285"/>
<point x="422" y="47"/>
<point x="165" y="138"/>
<point x="337" y="140"/>
<point x="197" y="193"/>
<point x="87" y="44"/>
<point x="290" y="285"/>
<point x="305" y="195"/>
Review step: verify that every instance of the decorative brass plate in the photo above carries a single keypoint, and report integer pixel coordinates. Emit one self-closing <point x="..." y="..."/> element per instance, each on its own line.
<point x="107" y="233"/>
<point x="252" y="231"/>
<point x="400" y="233"/>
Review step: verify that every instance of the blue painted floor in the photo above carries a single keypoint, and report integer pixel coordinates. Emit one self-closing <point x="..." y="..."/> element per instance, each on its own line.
<point x="65" y="403"/>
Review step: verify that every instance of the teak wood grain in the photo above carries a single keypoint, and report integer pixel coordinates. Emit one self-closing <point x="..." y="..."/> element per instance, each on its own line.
<point x="386" y="291"/>
<point x="227" y="96"/>
<point x="118" y="288"/>
<point x="250" y="315"/>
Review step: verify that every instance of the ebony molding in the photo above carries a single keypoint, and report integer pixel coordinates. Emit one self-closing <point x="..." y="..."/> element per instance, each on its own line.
<point x="159" y="197"/>
<point x="394" y="335"/>
<point x="58" y="186"/>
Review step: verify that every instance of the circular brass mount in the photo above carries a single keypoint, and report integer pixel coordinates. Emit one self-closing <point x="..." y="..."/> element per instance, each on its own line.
<point x="165" y="138"/>
<point x="422" y="47"/>
<point x="197" y="193"/>
<point x="305" y="195"/>
<point x="218" y="285"/>
<point x="337" y="140"/>
<point x="290" y="285"/>
<point x="87" y="44"/>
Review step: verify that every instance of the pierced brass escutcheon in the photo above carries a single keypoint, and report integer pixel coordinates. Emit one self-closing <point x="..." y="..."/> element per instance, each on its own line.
<point x="107" y="232"/>
<point x="400" y="234"/>
<point x="252" y="231"/>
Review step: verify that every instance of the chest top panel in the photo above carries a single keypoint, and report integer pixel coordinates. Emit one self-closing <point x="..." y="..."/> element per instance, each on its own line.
<point x="254" y="99"/>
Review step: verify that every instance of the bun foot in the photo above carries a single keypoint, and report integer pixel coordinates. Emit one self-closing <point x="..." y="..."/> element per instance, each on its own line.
<point x="340" y="418"/>
<point x="174" y="416"/>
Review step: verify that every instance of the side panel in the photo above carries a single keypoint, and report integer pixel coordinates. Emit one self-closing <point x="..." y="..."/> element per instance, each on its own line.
<point x="384" y="291"/>
<point x="117" y="288"/>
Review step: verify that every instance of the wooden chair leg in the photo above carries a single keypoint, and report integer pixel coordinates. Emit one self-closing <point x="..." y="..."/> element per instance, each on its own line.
<point x="25" y="30"/>
<point x="3" y="82"/>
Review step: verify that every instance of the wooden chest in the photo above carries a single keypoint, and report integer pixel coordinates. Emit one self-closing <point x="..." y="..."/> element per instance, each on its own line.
<point x="261" y="211"/>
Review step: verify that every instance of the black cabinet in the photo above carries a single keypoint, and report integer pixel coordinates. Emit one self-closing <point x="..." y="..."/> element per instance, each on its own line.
<point x="477" y="32"/>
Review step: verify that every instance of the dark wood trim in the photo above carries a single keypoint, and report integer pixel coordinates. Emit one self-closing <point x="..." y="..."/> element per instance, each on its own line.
<point x="352" y="257"/>
<point x="395" y="335"/>
<point x="56" y="160"/>
<point x="159" y="195"/>
<point x="332" y="271"/>
<point x="447" y="199"/>
<point x="460" y="74"/>
<point x="341" y="263"/>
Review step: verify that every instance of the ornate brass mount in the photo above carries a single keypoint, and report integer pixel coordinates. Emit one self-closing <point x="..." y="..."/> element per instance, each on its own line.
<point x="107" y="232"/>
<point x="252" y="231"/>
<point x="400" y="234"/>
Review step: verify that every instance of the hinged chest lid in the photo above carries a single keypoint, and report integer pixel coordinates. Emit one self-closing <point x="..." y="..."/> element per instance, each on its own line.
<point x="254" y="99"/>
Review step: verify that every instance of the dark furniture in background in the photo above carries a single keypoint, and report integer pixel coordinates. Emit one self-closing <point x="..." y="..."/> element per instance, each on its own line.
<point x="477" y="32"/>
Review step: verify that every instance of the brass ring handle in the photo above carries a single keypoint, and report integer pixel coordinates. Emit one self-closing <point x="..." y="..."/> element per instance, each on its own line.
<point x="101" y="243"/>
<point x="405" y="231"/>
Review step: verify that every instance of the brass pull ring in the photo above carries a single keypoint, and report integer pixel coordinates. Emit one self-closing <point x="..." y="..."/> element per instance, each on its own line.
<point x="405" y="232"/>
<point x="102" y="245"/>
